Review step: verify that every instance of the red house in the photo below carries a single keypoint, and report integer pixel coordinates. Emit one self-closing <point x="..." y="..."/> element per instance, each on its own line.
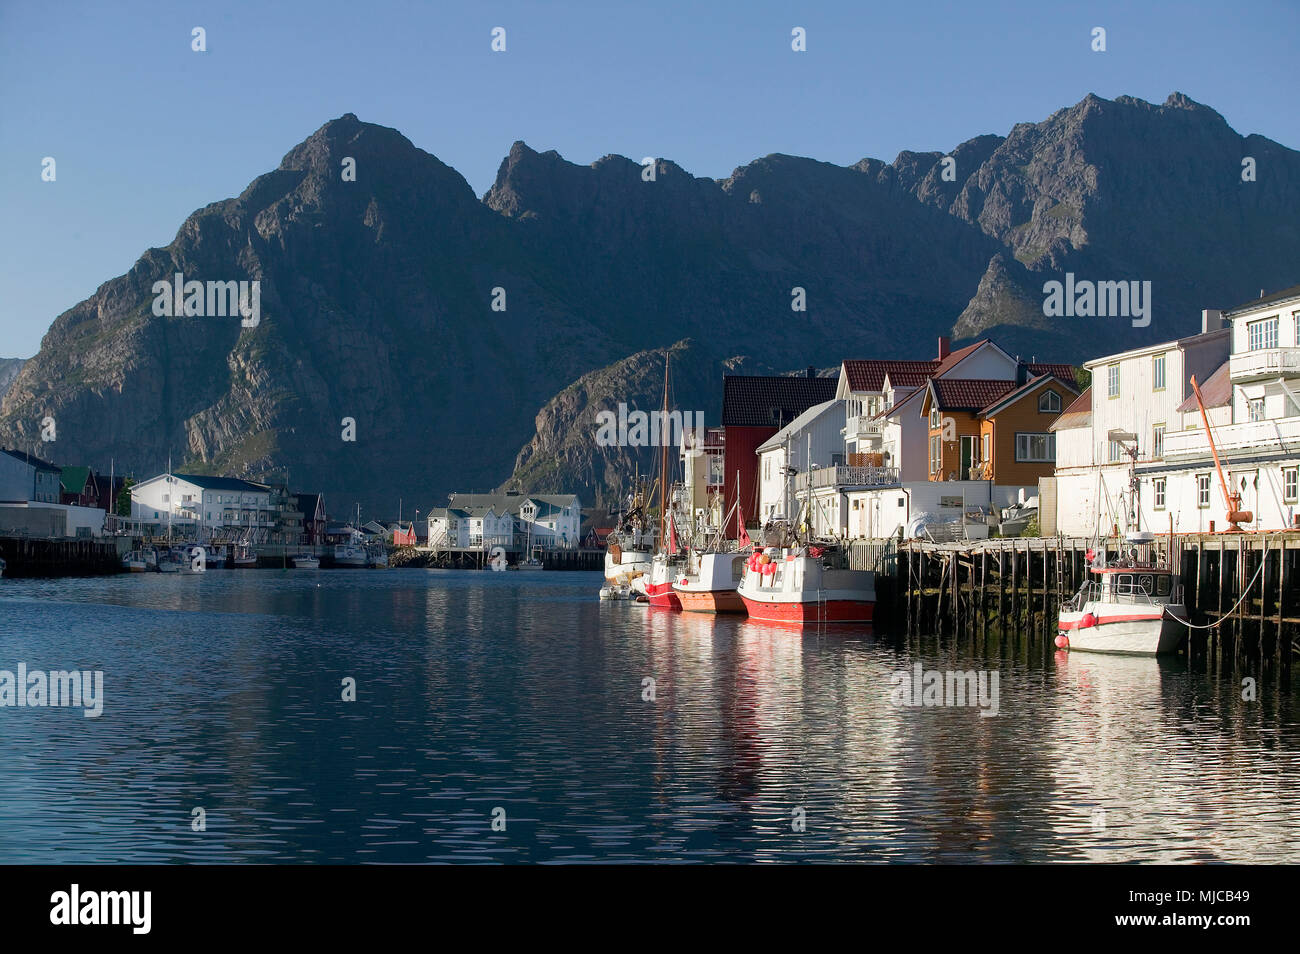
<point x="753" y="409"/>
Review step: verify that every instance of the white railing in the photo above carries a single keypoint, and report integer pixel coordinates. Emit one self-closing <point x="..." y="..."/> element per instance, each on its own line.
<point x="1267" y="362"/>
<point x="863" y="425"/>
<point x="845" y="476"/>
<point x="1279" y="434"/>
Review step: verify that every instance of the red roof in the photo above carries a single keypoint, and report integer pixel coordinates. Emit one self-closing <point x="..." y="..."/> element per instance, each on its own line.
<point x="950" y="362"/>
<point x="869" y="375"/>
<point x="968" y="394"/>
<point x="1021" y="391"/>
<point x="1216" y="390"/>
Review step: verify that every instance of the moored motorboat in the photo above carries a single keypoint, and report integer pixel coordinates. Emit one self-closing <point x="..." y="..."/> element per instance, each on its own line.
<point x="348" y="554"/>
<point x="244" y="557"/>
<point x="135" y="562"/>
<point x="806" y="584"/>
<point x="1131" y="606"/>
<point x="377" y="555"/>
<point x="305" y="561"/>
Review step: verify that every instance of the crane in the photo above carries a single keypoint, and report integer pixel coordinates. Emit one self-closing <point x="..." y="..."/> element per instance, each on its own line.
<point x="1232" y="500"/>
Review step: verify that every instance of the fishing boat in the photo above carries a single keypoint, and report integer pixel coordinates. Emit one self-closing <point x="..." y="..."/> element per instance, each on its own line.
<point x="806" y="584"/>
<point x="376" y="555"/>
<point x="352" y="553"/>
<point x="243" y="557"/>
<point x="305" y="561"/>
<point x="711" y="586"/>
<point x="630" y="547"/>
<point x="1132" y="605"/>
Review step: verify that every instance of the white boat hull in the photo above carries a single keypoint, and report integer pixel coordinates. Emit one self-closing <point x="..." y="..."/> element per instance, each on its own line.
<point x="627" y="567"/>
<point x="1123" y="629"/>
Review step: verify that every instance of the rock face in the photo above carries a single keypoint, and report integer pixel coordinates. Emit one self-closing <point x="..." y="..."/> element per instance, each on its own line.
<point x="377" y="294"/>
<point x="9" y="368"/>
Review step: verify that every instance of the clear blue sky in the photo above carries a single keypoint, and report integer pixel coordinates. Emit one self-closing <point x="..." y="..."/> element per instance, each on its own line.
<point x="144" y="130"/>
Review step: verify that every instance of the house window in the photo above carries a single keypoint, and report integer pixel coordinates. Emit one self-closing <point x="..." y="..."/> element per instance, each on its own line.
<point x="1290" y="479"/>
<point x="1262" y="334"/>
<point x="1115" y="451"/>
<point x="1049" y="403"/>
<point x="1159" y="485"/>
<point x="1157" y="442"/>
<point x="1112" y="381"/>
<point x="984" y="453"/>
<point x="1202" y="490"/>
<point x="1255" y="409"/>
<point x="1036" y="448"/>
<point x="935" y="455"/>
<point x="935" y="422"/>
<point x="1158" y="373"/>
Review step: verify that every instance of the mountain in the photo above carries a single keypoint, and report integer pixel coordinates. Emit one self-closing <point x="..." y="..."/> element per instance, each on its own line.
<point x="9" y="368"/>
<point x="377" y="295"/>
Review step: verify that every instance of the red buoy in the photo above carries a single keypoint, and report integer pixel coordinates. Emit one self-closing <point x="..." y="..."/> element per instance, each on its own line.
<point x="1088" y="621"/>
<point x="1062" y="641"/>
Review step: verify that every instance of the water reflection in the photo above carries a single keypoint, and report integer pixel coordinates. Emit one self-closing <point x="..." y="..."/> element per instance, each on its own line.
<point x="479" y="691"/>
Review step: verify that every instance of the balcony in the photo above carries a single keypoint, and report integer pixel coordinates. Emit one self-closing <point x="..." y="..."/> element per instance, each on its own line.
<point x="848" y="477"/>
<point x="1243" y="439"/>
<point x="1266" y="363"/>
<point x="863" y="426"/>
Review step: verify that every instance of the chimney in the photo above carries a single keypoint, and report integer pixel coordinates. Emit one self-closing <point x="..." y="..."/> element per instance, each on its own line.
<point x="1211" y="320"/>
<point x="812" y="372"/>
<point x="944" y="343"/>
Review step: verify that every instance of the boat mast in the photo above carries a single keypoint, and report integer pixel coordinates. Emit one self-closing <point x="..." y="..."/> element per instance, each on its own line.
<point x="663" y="464"/>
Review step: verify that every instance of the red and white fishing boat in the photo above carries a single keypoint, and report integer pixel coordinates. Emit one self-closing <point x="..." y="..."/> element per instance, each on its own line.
<point x="711" y="586"/>
<point x="1132" y="606"/>
<point x="805" y="584"/>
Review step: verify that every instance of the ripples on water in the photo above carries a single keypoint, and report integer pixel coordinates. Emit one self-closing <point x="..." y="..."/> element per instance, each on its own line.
<point x="480" y="690"/>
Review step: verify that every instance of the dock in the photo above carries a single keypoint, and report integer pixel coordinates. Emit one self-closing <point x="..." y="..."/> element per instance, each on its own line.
<point x="1243" y="587"/>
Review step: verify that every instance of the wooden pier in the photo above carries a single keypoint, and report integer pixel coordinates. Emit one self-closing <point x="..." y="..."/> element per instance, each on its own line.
<point x="42" y="556"/>
<point x="1242" y="586"/>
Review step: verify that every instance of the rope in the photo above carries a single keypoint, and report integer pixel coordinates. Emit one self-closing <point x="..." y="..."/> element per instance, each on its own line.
<point x="1244" y="594"/>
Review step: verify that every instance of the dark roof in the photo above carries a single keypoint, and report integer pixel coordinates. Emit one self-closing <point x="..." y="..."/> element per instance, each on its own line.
<point x="967" y="394"/>
<point x="36" y="462"/>
<point x="307" y="503"/>
<point x="221" y="483"/>
<point x="758" y="401"/>
<point x="1014" y="395"/>
<point x="1216" y="390"/>
<point x="869" y="375"/>
<point x="1283" y="295"/>
<point x="1062" y="372"/>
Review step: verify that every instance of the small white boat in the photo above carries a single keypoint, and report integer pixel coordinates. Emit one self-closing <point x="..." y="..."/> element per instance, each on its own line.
<point x="305" y="561"/>
<point x="169" y="561"/>
<point x="1132" y="606"/>
<point x="135" y="562"/>
<point x="192" y="559"/>
<point x="533" y="563"/>
<point x="347" y="554"/>
<point x="244" y="557"/>
<point x="627" y="556"/>
<point x="377" y="555"/>
<point x="616" y="591"/>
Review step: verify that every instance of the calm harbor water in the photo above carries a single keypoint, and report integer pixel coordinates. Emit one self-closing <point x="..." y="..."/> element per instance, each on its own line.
<point x="477" y="691"/>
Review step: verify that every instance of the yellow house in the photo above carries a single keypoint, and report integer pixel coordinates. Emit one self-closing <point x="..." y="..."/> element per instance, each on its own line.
<point x="994" y="430"/>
